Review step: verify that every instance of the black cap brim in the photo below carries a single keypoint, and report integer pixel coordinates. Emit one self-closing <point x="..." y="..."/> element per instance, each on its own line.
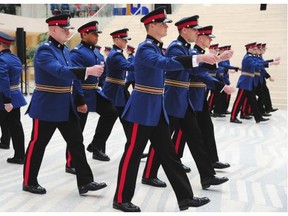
<point x="126" y="38"/>
<point x="98" y="32"/>
<point x="197" y="27"/>
<point x="67" y="27"/>
<point x="167" y="20"/>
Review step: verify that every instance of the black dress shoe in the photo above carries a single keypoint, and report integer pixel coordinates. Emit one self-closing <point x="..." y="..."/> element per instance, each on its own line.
<point x="262" y="120"/>
<point x="126" y="207"/>
<point x="16" y="160"/>
<point x="4" y="146"/>
<point x="70" y="170"/>
<point x="220" y="165"/>
<point x="221" y="115"/>
<point x="92" y="186"/>
<point x="195" y="202"/>
<point x="246" y="117"/>
<point x="207" y="182"/>
<point x="90" y="147"/>
<point x="153" y="182"/>
<point x="266" y="114"/>
<point x="100" y="155"/>
<point x="187" y="169"/>
<point x="227" y="112"/>
<point x="236" y="121"/>
<point x="36" y="189"/>
<point x="144" y="155"/>
<point x="272" y="110"/>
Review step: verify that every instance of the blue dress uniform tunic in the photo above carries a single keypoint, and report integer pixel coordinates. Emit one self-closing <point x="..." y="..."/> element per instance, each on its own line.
<point x="90" y="85"/>
<point x="249" y="65"/>
<point x="177" y="82"/>
<point x="227" y="66"/>
<point x="114" y="86"/>
<point x="199" y="82"/>
<point x="45" y="103"/>
<point x="246" y="86"/>
<point x="146" y="102"/>
<point x="10" y="72"/>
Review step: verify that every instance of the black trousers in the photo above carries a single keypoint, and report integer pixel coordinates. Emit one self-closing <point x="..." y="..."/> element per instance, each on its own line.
<point x="259" y="92"/>
<point x="206" y="127"/>
<point x="211" y="99"/>
<point x="190" y="129"/>
<point x="264" y="99"/>
<point x="138" y="135"/>
<point x="239" y="100"/>
<point x="220" y="102"/>
<point x="41" y="134"/>
<point x="13" y="128"/>
<point x="108" y="115"/>
<point x="5" y="132"/>
<point x="267" y="102"/>
<point x="227" y="101"/>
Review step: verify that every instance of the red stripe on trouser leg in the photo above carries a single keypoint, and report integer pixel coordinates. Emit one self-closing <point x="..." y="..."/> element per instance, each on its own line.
<point x="126" y="163"/>
<point x="233" y="114"/>
<point x="69" y="159"/>
<point x="30" y="151"/>
<point x="178" y="139"/>
<point x="149" y="163"/>
<point x="243" y="108"/>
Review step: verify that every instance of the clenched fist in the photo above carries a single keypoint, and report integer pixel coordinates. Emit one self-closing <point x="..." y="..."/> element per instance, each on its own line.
<point x="95" y="70"/>
<point x="8" y="107"/>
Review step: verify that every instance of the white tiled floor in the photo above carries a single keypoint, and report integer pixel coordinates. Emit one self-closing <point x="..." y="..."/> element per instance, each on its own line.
<point x="258" y="173"/>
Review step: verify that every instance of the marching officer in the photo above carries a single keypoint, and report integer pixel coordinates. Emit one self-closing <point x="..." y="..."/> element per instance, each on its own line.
<point x="52" y="107"/>
<point x="117" y="65"/>
<point x="11" y="99"/>
<point x="266" y="104"/>
<point x="181" y="112"/>
<point x="223" y="100"/>
<point x="147" y="119"/>
<point x="245" y="84"/>
<point x="214" y="72"/>
<point x="197" y="88"/>
<point x="86" y="54"/>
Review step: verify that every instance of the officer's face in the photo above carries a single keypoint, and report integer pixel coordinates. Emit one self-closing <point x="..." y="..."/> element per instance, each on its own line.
<point x="121" y="43"/>
<point x="253" y="50"/>
<point x="91" y="37"/>
<point x="60" y="34"/>
<point x="213" y="51"/>
<point x="192" y="35"/>
<point x="206" y="40"/>
<point x="161" y="29"/>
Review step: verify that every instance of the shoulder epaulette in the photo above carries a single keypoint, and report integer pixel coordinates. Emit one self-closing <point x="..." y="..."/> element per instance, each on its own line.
<point x="78" y="46"/>
<point x="149" y="41"/>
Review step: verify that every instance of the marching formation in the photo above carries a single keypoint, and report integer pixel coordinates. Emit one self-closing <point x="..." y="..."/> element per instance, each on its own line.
<point x="163" y="95"/>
